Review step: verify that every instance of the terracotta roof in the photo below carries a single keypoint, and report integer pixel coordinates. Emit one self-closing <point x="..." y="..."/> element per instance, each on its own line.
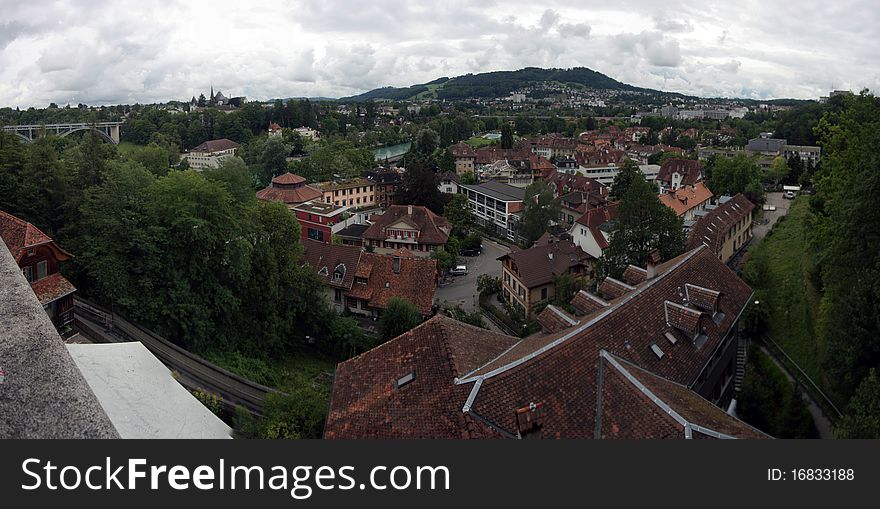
<point x="433" y="229"/>
<point x="462" y="149"/>
<point x="557" y="371"/>
<point x="367" y="402"/>
<point x="712" y="228"/>
<point x="611" y="288"/>
<point x="691" y="171"/>
<point x="216" y="145"/>
<point x="633" y="275"/>
<point x="638" y="404"/>
<point x="585" y="303"/>
<point x="415" y="282"/>
<point x="539" y="264"/>
<point x="703" y="298"/>
<point x="326" y="258"/>
<point x="20" y="235"/>
<point x="488" y="155"/>
<point x="52" y="287"/>
<point x="686" y="198"/>
<point x="553" y="319"/>
<point x="289" y="189"/>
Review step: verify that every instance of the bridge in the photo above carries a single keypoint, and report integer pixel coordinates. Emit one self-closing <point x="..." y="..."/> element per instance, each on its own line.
<point x="107" y="130"/>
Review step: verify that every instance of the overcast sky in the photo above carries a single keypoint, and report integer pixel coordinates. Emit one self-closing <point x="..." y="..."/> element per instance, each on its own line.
<point x="126" y="51"/>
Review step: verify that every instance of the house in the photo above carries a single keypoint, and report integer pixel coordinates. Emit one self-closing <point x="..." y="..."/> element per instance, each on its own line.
<point x="448" y="183"/>
<point x="210" y="153"/>
<point x="496" y="205"/>
<point x="528" y="276"/>
<point x="319" y="220"/>
<point x="677" y="173"/>
<point x="724" y="229"/>
<point x="290" y="190"/>
<point x="687" y="200"/>
<point x="592" y="231"/>
<point x="307" y="133"/>
<point x="465" y="158"/>
<point x="39" y="258"/>
<point x="410" y="227"/>
<point x="274" y="130"/>
<point x="356" y="192"/>
<point x="363" y="283"/>
<point x="352" y="234"/>
<point x="576" y="203"/>
<point x="386" y="180"/>
<point x="657" y="362"/>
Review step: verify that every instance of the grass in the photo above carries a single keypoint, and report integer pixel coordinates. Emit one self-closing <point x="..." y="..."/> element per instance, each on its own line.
<point x="283" y="374"/>
<point x="479" y="141"/>
<point x="782" y="262"/>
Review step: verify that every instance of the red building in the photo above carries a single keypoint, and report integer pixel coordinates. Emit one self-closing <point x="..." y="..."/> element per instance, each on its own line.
<point x="316" y="219"/>
<point x="39" y="257"/>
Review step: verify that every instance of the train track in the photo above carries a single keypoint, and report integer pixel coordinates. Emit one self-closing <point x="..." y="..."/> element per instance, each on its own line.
<point x="192" y="371"/>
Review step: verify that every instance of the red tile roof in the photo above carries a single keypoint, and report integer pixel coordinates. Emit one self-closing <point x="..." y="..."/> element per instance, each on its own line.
<point x="686" y="198"/>
<point x="633" y="275"/>
<point x="557" y="371"/>
<point x="288" y="179"/>
<point x="415" y="282"/>
<point x="52" y="287"/>
<point x="611" y="288"/>
<point x="553" y="319"/>
<point x="462" y="149"/>
<point x="289" y="189"/>
<point x="20" y="235"/>
<point x="712" y="228"/>
<point x="433" y="229"/>
<point x="216" y="145"/>
<point x="326" y="258"/>
<point x="691" y="171"/>
<point x="585" y="303"/>
<point x="593" y="219"/>
<point x="547" y="259"/>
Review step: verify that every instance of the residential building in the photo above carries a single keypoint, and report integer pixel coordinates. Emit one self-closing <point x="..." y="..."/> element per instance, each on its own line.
<point x="553" y="147"/>
<point x="289" y="189"/>
<point x="319" y="220"/>
<point x="307" y="133"/>
<point x="657" y="362"/>
<point x="677" y="173"/>
<point x="210" y="153"/>
<point x="496" y="205"/>
<point x="358" y="192"/>
<point x="410" y="227"/>
<point x="386" y="180"/>
<point x="352" y="234"/>
<point x="465" y="158"/>
<point x="592" y="231"/>
<point x="726" y="229"/>
<point x="39" y="258"/>
<point x="687" y="201"/>
<point x="605" y="174"/>
<point x="363" y="283"/>
<point x="274" y="130"/>
<point x="528" y="276"/>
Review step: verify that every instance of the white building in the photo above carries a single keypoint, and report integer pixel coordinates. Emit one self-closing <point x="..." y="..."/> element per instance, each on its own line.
<point x="495" y="204"/>
<point x="210" y="153"/>
<point x="605" y="174"/>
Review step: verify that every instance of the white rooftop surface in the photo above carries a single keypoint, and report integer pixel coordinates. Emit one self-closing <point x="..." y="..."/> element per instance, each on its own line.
<point x="140" y="396"/>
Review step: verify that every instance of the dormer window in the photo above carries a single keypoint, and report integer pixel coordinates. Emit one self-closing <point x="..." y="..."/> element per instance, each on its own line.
<point x="529" y="420"/>
<point x="339" y="272"/>
<point x="323" y="271"/>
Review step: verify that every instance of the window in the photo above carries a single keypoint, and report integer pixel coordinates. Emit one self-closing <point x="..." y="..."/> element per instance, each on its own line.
<point x="363" y="304"/>
<point x="543" y="293"/>
<point x="316" y="234"/>
<point x="28" y="273"/>
<point x="405" y="379"/>
<point x="41" y="269"/>
<point x="337" y="295"/>
<point x="339" y="272"/>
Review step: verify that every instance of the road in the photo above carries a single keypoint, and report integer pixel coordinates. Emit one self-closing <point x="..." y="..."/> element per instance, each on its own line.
<point x="781" y="204"/>
<point x="462" y="290"/>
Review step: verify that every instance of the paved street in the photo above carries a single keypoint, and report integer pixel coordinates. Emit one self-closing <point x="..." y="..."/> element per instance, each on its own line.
<point x="462" y="290"/>
<point x="781" y="204"/>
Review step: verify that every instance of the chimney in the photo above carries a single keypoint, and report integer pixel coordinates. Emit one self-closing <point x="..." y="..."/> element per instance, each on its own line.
<point x="409" y="210"/>
<point x="651" y="263"/>
<point x="550" y="256"/>
<point x="396" y="265"/>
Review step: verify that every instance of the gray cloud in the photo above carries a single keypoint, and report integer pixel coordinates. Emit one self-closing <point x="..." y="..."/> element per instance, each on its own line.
<point x="115" y="51"/>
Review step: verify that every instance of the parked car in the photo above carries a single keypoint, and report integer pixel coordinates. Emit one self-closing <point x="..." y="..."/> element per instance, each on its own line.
<point x="789" y="195"/>
<point x="474" y="251"/>
<point x="459" y="270"/>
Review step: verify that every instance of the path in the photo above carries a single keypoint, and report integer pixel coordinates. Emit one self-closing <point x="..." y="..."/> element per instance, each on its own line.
<point x="823" y="425"/>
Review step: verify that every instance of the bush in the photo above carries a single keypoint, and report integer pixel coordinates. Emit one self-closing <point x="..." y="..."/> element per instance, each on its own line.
<point x="771" y="403"/>
<point x="488" y="284"/>
<point x="211" y="401"/>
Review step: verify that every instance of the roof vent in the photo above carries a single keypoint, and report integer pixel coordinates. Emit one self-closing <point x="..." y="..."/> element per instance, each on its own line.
<point x="405" y="379"/>
<point x="657" y="351"/>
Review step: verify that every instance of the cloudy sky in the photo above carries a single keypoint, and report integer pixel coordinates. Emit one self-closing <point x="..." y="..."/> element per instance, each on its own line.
<point x="126" y="51"/>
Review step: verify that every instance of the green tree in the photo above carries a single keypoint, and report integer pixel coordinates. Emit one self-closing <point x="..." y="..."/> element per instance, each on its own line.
<point x="419" y="186"/>
<point x="399" y="316"/>
<point x="458" y="213"/>
<point x="862" y="419"/>
<point x="427" y="142"/>
<point x="540" y="209"/>
<point x="233" y="174"/>
<point x="629" y="172"/>
<point x="506" y="135"/>
<point x="644" y="224"/>
<point x="778" y="171"/>
<point x="731" y="176"/>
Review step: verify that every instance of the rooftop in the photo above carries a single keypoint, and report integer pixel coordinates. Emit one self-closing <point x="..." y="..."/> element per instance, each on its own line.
<point x="320" y="208"/>
<point x="497" y="190"/>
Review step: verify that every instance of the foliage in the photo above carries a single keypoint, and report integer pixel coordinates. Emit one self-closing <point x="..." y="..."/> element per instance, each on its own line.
<point x="771" y="403"/>
<point x="419" y="187"/>
<point x="862" y="419"/>
<point x="506" y="136"/>
<point x="445" y="258"/>
<point x="540" y="208"/>
<point x="488" y="284"/>
<point x="567" y="285"/>
<point x="644" y="224"/>
<point x="457" y="212"/>
<point x="730" y="176"/>
<point x="629" y="172"/>
<point x="468" y="178"/>
<point x="474" y="318"/>
<point x="338" y="157"/>
<point x="211" y="401"/>
<point x="399" y="316"/>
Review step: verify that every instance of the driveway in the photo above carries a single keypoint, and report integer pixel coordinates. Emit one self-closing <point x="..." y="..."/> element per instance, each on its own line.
<point x="781" y="204"/>
<point x="462" y="290"/>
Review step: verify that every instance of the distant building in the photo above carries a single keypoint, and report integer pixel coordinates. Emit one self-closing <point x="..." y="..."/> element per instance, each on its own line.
<point x="726" y="229"/>
<point x="528" y="276"/>
<point x="688" y="200"/>
<point x="274" y="130"/>
<point x="676" y="173"/>
<point x="767" y="149"/>
<point x="210" y="153"/>
<point x="592" y="231"/>
<point x="410" y="227"/>
<point x="448" y="183"/>
<point x="464" y="157"/>
<point x="290" y="190"/>
<point x="605" y="174"/>
<point x="356" y="192"/>
<point x="307" y="132"/>
<point x="319" y="220"/>
<point x="39" y="258"/>
<point x="387" y="180"/>
<point x="495" y="205"/>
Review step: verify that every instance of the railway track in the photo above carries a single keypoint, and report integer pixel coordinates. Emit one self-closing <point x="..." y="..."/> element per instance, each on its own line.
<point x="193" y="372"/>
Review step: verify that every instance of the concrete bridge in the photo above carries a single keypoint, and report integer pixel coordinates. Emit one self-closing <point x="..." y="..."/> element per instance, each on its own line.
<point x="107" y="130"/>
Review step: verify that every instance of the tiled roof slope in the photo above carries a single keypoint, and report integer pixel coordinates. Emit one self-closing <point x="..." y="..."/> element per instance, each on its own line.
<point x="216" y="145"/>
<point x="52" y="287"/>
<point x="690" y="170"/>
<point x="19" y="235"/>
<point x="553" y="319"/>
<point x="433" y="229"/>
<point x="638" y="404"/>
<point x="712" y="228"/>
<point x="547" y="259"/>
<point x="329" y="256"/>
<point x="559" y="370"/>
<point x="686" y="198"/>
<point x="366" y="404"/>
<point x="416" y="281"/>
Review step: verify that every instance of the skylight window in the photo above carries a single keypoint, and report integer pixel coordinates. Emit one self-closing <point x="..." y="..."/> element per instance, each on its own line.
<point x="657" y="351"/>
<point x="404" y="380"/>
<point x="671" y="337"/>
